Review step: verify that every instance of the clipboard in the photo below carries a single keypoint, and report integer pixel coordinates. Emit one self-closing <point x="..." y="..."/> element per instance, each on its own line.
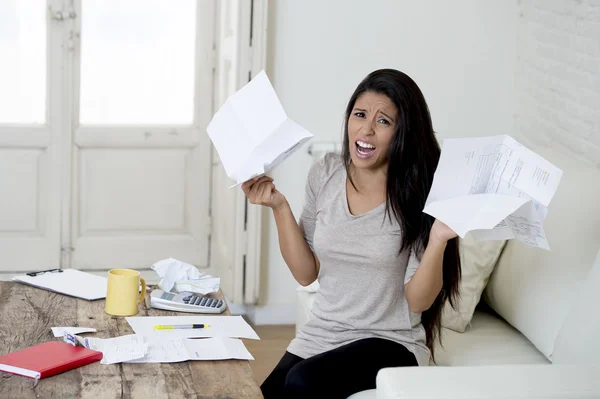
<point x="70" y="282"/>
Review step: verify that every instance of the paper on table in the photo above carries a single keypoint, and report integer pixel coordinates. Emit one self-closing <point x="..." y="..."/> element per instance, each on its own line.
<point x="70" y="282"/>
<point x="182" y="349"/>
<point x="165" y="351"/>
<point x="184" y="277"/>
<point x="252" y="133"/>
<point x="60" y="331"/>
<point x="494" y="188"/>
<point x="114" y="350"/>
<point x="220" y="326"/>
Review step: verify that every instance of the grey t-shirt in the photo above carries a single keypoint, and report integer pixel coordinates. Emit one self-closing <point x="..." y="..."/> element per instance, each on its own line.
<point x="362" y="274"/>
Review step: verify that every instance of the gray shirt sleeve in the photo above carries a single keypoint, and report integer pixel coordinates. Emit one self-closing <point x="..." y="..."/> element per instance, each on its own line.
<point x="411" y="267"/>
<point x="308" y="218"/>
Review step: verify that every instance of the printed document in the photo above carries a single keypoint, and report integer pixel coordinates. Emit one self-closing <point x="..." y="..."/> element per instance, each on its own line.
<point x="182" y="349"/>
<point x="140" y="349"/>
<point x="114" y="350"/>
<point x="493" y="188"/>
<point x="252" y="133"/>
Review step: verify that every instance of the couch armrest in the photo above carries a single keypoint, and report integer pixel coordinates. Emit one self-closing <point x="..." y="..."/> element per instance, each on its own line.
<point x="490" y="382"/>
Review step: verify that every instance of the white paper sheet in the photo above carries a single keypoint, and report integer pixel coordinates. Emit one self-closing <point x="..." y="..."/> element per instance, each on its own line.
<point x="184" y="277"/>
<point x="165" y="351"/>
<point x="69" y="282"/>
<point x="220" y="326"/>
<point x="252" y="133"/>
<point x="494" y="188"/>
<point x="61" y="331"/>
<point x="114" y="350"/>
<point x="182" y="349"/>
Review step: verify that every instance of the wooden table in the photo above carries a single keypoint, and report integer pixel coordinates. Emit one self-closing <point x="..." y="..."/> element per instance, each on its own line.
<point x="26" y="315"/>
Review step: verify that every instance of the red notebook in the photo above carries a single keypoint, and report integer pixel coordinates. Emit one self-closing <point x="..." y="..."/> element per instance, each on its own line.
<point x="47" y="359"/>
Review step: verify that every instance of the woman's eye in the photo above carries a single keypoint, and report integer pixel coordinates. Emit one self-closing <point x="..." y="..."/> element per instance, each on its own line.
<point x="359" y="114"/>
<point x="384" y="121"/>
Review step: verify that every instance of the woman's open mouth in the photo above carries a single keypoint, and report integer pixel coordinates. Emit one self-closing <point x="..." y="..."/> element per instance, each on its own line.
<point x="364" y="149"/>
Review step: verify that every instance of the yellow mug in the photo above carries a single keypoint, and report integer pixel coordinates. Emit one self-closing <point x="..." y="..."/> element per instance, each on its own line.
<point x="123" y="292"/>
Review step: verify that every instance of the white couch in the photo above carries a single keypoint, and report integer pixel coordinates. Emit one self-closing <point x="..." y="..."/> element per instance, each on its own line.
<point x="536" y="333"/>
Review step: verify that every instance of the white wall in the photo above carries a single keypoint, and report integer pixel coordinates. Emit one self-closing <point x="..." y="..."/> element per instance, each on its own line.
<point x="558" y="75"/>
<point x="462" y="54"/>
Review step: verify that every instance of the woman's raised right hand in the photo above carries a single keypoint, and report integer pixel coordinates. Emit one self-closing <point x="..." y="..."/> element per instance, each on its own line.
<point x="262" y="191"/>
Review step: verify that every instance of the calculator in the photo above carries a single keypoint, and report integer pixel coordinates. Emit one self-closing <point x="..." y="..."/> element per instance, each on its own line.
<point x="186" y="302"/>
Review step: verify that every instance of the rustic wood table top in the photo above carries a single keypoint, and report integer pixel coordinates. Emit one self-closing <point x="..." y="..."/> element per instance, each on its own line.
<point x="26" y="315"/>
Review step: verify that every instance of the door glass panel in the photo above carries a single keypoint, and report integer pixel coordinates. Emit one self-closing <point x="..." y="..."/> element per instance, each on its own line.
<point x="137" y="62"/>
<point x="23" y="61"/>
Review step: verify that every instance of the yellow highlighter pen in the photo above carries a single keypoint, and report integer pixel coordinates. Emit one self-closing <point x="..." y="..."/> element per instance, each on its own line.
<point x="180" y="327"/>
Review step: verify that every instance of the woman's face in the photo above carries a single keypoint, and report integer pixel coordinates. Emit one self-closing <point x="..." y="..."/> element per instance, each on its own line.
<point x="371" y="127"/>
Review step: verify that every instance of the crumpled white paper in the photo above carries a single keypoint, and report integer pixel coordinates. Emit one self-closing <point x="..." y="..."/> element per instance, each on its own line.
<point x="184" y="277"/>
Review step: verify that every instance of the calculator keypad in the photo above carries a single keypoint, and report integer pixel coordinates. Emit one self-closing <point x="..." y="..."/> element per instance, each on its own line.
<point x="187" y="302"/>
<point x="202" y="301"/>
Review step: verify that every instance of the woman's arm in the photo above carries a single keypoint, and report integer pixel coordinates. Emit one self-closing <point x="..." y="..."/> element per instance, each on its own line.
<point x="426" y="283"/>
<point x="296" y="253"/>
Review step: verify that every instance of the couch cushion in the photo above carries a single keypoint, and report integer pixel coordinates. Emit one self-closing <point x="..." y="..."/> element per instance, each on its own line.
<point x="578" y="340"/>
<point x="489" y="340"/>
<point x="524" y="381"/>
<point x="477" y="263"/>
<point x="532" y="288"/>
<point x="368" y="394"/>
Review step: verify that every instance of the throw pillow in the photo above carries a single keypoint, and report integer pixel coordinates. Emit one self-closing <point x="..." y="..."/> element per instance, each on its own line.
<point x="477" y="263"/>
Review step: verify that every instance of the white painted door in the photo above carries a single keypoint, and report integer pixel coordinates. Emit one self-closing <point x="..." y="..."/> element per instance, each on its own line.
<point x="236" y="236"/>
<point x="30" y="135"/>
<point x="141" y="158"/>
<point x="104" y="156"/>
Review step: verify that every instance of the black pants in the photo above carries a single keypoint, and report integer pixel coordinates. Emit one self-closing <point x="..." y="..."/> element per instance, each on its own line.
<point x="337" y="373"/>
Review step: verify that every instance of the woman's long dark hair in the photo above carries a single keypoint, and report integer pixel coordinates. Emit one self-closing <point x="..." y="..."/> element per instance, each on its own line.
<point x="413" y="156"/>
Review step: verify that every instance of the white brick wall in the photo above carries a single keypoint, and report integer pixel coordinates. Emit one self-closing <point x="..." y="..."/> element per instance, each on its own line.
<point x="558" y="74"/>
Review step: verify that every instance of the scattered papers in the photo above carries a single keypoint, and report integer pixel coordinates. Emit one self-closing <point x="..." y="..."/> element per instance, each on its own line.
<point x="181" y="349"/>
<point x="184" y="277"/>
<point x="252" y="133"/>
<point x="114" y="350"/>
<point x="220" y="326"/>
<point x="139" y="349"/>
<point x="493" y="188"/>
<point x="61" y="331"/>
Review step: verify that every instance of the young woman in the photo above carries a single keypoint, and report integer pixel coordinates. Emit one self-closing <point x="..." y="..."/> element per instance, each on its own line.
<point x="384" y="267"/>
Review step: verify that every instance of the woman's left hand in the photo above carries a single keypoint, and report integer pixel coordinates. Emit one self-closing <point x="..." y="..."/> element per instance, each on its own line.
<point x="441" y="232"/>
